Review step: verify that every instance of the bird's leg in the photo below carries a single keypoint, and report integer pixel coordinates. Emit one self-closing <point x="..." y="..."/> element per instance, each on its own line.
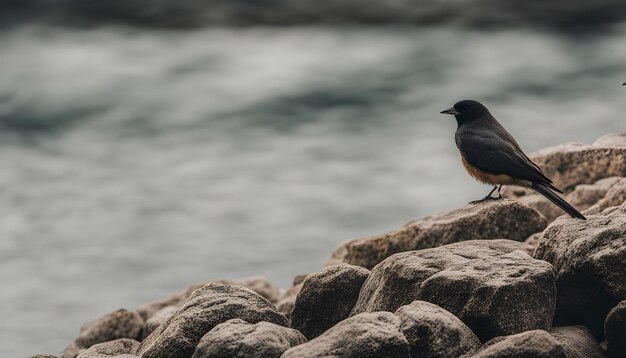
<point x="488" y="197"/>
<point x="499" y="195"/>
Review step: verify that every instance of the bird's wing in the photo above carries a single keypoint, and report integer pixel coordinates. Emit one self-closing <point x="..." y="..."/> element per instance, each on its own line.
<point x="495" y="155"/>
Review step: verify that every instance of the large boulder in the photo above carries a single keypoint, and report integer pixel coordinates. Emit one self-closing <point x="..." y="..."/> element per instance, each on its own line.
<point x="530" y="344"/>
<point x="577" y="342"/>
<point x="493" y="286"/>
<point x="259" y="284"/>
<point x="615" y="331"/>
<point x="111" y="349"/>
<point x="588" y="258"/>
<point x="504" y="219"/>
<point x="434" y="332"/>
<point x="112" y="326"/>
<point x="238" y="338"/>
<point x="326" y="298"/>
<point x="571" y="164"/>
<point x="367" y="335"/>
<point x="207" y="307"/>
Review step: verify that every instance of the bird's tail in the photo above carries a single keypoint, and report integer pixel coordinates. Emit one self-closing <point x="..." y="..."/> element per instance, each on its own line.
<point x="545" y="191"/>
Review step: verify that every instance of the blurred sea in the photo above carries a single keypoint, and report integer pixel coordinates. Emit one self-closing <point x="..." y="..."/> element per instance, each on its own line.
<point x="136" y="161"/>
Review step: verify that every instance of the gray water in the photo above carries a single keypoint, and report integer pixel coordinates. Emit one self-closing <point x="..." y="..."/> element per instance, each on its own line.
<point x="136" y="162"/>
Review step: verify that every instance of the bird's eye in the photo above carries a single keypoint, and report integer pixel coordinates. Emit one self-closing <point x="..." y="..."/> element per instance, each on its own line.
<point x="465" y="108"/>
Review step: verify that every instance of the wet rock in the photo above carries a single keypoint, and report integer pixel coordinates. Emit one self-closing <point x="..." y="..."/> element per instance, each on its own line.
<point x="112" y="326"/>
<point x="434" y="332"/>
<point x="111" y="349"/>
<point x="615" y="331"/>
<point x="207" y="307"/>
<point x="367" y="335"/>
<point x="493" y="286"/>
<point x="530" y="344"/>
<point x="571" y="164"/>
<point x="588" y="258"/>
<point x="504" y="219"/>
<point x="238" y="338"/>
<point x="577" y="342"/>
<point x="326" y="298"/>
<point x="157" y="319"/>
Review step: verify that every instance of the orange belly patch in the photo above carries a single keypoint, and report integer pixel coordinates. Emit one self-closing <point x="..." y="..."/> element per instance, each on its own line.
<point x="493" y="179"/>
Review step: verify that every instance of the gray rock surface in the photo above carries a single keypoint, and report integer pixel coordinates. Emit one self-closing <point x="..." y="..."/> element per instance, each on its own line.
<point x="615" y="331"/>
<point x="529" y="344"/>
<point x="43" y="356"/>
<point x="434" y="332"/>
<point x="493" y="286"/>
<point x="288" y="299"/>
<point x="577" y="342"/>
<point x="111" y="349"/>
<point x="238" y="338"/>
<point x="147" y="310"/>
<point x="504" y="219"/>
<point x="157" y="319"/>
<point x="72" y="351"/>
<point x="207" y="307"/>
<point x="588" y="258"/>
<point x="367" y="335"/>
<point x="259" y="284"/>
<point x="326" y="298"/>
<point x="571" y="164"/>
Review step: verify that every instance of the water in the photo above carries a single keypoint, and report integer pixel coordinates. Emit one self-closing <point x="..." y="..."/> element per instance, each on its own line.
<point x="136" y="162"/>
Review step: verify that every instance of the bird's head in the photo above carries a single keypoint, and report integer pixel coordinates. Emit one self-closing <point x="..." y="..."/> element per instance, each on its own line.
<point x="466" y="111"/>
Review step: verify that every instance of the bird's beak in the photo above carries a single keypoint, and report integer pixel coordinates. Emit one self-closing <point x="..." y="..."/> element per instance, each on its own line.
<point x="451" y="111"/>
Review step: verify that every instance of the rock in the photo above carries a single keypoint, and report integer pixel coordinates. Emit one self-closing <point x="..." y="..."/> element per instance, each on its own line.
<point x="258" y="284"/>
<point x="493" y="286"/>
<point x="326" y="298"/>
<point x="157" y="319"/>
<point x="533" y="240"/>
<point x="112" y="326"/>
<point x="43" y="356"/>
<point x="503" y="219"/>
<point x="286" y="305"/>
<point x="615" y="196"/>
<point x="612" y="140"/>
<point x="530" y="344"/>
<point x="434" y="332"/>
<point x="577" y="342"/>
<point x="571" y="164"/>
<point x="238" y="338"/>
<point x="366" y="335"/>
<point x="147" y="310"/>
<point x="588" y="258"/>
<point x="72" y="351"/>
<point x="615" y="331"/>
<point x="111" y="349"/>
<point x="207" y="307"/>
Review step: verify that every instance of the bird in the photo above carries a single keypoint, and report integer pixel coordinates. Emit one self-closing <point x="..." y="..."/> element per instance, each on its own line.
<point x="492" y="156"/>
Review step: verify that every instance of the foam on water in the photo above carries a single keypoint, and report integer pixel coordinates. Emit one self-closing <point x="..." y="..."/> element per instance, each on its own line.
<point x="133" y="163"/>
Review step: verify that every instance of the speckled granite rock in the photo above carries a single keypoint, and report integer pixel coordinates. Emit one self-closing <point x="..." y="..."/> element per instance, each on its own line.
<point x="207" y="307"/>
<point x="577" y="342"/>
<point x="157" y="319"/>
<point x="504" y="219"/>
<point x="615" y="331"/>
<point x="326" y="298"/>
<point x="529" y="344"/>
<point x="493" y="286"/>
<point x="367" y="335"/>
<point x="111" y="349"/>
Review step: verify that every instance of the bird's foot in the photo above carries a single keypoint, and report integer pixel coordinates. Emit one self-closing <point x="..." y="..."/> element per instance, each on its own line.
<point x="487" y="198"/>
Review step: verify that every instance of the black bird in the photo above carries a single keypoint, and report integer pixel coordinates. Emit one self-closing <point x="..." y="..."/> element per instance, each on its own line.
<point x="492" y="156"/>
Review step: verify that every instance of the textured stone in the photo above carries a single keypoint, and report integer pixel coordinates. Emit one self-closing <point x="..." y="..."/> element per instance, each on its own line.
<point x="111" y="349"/>
<point x="530" y="344"/>
<point x="615" y="331"/>
<point x="207" y="307"/>
<point x="588" y="258"/>
<point x="434" y="332"/>
<point x="238" y="338"/>
<point x="157" y="319"/>
<point x="493" y="286"/>
<point x="577" y="342"/>
<point x="367" y="335"/>
<point x="503" y="219"/>
<point x="326" y="298"/>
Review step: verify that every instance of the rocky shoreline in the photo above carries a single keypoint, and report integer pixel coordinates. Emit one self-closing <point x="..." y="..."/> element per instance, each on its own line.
<point x="510" y="278"/>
